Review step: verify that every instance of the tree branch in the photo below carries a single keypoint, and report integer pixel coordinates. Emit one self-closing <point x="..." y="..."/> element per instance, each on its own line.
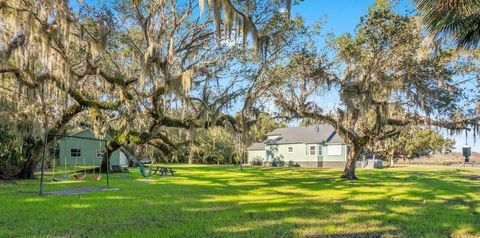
<point x="419" y="120"/>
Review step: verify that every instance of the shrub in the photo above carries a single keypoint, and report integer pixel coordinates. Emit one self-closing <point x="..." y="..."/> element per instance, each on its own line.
<point x="14" y="151"/>
<point x="277" y="163"/>
<point x="293" y="164"/>
<point x="257" y="161"/>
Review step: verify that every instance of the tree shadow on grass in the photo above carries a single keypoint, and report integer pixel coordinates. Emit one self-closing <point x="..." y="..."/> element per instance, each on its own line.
<point x="435" y="203"/>
<point x="224" y="202"/>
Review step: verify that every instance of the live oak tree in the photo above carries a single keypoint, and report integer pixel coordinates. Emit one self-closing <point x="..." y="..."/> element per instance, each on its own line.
<point x="121" y="68"/>
<point x="84" y="61"/>
<point x="51" y="60"/>
<point x="386" y="77"/>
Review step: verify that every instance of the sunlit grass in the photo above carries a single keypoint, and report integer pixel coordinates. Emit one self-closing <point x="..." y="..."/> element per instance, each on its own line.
<point x="221" y="201"/>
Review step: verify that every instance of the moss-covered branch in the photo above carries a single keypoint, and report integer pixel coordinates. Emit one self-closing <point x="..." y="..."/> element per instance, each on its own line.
<point x="173" y="122"/>
<point x="79" y="97"/>
<point x="420" y="120"/>
<point x="19" y="77"/>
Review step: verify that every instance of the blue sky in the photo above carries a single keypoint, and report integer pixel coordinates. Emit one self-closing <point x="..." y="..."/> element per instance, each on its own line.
<point x="342" y="16"/>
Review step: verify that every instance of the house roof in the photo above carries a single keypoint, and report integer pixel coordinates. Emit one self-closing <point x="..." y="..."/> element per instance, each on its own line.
<point x="81" y="131"/>
<point x="257" y="146"/>
<point x="90" y="134"/>
<point x="310" y="134"/>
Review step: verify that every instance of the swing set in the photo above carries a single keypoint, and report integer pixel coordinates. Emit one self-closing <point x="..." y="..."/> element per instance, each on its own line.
<point x="76" y="174"/>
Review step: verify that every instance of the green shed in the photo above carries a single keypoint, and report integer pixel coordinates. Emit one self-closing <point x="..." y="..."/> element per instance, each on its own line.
<point x="74" y="150"/>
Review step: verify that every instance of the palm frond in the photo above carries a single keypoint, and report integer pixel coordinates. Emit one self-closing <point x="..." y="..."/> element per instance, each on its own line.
<point x="457" y="19"/>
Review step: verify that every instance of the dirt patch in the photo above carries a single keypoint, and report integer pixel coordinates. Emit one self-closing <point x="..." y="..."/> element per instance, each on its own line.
<point x="145" y="181"/>
<point x="475" y="177"/>
<point x="80" y="190"/>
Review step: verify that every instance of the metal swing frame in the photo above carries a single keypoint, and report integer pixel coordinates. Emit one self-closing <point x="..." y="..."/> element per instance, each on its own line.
<point x="47" y="135"/>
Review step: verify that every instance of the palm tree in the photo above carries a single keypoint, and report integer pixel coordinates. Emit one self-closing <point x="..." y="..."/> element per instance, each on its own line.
<point x="457" y="19"/>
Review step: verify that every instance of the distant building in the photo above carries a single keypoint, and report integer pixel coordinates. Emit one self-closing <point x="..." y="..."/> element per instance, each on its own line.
<point x="312" y="146"/>
<point x="75" y="150"/>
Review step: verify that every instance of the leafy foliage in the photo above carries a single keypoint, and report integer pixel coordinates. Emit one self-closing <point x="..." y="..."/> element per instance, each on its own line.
<point x="412" y="143"/>
<point x="457" y="19"/>
<point x="217" y="145"/>
<point x="14" y="151"/>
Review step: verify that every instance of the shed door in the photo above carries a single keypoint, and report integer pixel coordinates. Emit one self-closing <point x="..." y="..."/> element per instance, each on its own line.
<point x="123" y="159"/>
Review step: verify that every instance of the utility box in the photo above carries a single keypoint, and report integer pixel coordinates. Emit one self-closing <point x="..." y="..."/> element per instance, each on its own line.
<point x="467" y="152"/>
<point x="371" y="164"/>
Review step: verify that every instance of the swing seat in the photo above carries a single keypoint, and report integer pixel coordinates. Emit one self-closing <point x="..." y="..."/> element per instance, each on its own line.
<point x="97" y="177"/>
<point x="143" y="171"/>
<point x="64" y="178"/>
<point x="80" y="177"/>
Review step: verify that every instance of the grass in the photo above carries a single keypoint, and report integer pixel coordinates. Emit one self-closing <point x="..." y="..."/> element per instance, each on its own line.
<point x="220" y="201"/>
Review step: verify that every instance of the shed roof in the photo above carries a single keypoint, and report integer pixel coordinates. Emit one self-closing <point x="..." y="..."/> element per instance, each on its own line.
<point x="87" y="132"/>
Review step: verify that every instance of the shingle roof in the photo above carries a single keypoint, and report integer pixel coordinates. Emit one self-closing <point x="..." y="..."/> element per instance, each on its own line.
<point x="310" y="134"/>
<point x="257" y="146"/>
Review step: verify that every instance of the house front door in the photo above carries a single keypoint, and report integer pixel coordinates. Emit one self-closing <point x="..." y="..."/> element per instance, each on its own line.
<point x="320" y="156"/>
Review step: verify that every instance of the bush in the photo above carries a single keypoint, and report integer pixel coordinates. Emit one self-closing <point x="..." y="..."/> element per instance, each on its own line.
<point x="257" y="161"/>
<point x="14" y="151"/>
<point x="277" y="163"/>
<point x="293" y="164"/>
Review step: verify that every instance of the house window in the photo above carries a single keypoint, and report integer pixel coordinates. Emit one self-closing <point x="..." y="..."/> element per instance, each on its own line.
<point x="312" y="150"/>
<point x="75" y="153"/>
<point x="100" y="153"/>
<point x="320" y="148"/>
<point x="334" y="150"/>
<point x="290" y="149"/>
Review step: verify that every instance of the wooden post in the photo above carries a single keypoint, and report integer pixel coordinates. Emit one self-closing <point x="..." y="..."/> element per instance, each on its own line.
<point x="43" y="164"/>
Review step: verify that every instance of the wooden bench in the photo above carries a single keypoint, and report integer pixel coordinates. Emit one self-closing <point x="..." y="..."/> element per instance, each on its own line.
<point x="164" y="171"/>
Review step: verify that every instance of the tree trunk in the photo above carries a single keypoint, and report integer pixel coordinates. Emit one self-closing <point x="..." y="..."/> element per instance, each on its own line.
<point x="190" y="158"/>
<point x="30" y="166"/>
<point x="106" y="160"/>
<point x="349" y="171"/>
<point x="391" y="161"/>
<point x="28" y="170"/>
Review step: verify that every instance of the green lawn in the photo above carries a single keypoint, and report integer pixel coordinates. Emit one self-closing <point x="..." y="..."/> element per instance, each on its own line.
<point x="219" y="201"/>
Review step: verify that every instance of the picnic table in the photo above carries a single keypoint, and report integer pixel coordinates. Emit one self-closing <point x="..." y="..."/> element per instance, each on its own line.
<point x="164" y="171"/>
